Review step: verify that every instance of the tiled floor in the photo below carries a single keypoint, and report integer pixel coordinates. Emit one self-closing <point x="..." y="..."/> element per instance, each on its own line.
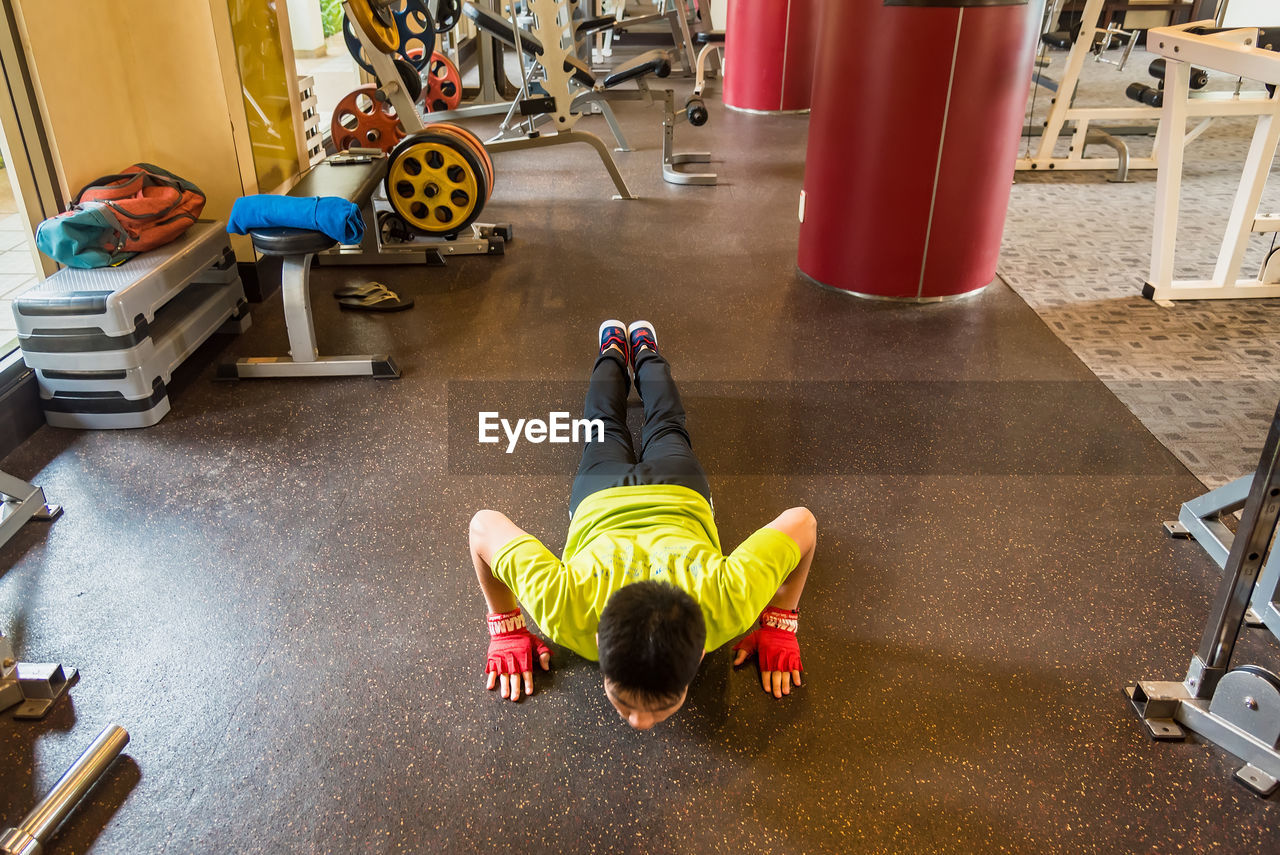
<point x="1202" y="376"/>
<point x="17" y="265"/>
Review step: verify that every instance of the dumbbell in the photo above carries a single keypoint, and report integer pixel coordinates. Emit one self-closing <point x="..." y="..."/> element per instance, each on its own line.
<point x="1199" y="77"/>
<point x="696" y="110"/>
<point x="1063" y="39"/>
<point x="1144" y="94"/>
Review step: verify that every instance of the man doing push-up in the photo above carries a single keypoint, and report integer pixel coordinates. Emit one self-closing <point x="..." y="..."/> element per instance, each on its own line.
<point x="643" y="585"/>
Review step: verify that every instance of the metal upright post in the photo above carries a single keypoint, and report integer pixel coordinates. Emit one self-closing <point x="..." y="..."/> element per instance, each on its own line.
<point x="1244" y="563"/>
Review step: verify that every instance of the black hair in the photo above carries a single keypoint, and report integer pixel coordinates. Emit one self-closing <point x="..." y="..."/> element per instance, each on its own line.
<point x="651" y="638"/>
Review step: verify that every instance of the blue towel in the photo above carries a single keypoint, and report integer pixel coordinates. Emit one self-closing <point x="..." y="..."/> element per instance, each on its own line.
<point x="334" y="216"/>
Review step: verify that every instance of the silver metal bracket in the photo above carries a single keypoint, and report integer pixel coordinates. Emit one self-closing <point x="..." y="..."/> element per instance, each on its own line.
<point x="1156" y="703"/>
<point x="1256" y="780"/>
<point x="31" y="688"/>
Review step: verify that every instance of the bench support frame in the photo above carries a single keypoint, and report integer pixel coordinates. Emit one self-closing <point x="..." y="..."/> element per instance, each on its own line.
<point x="304" y="359"/>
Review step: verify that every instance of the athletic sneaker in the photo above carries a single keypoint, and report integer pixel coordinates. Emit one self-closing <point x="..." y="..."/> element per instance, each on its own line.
<point x="614" y="332"/>
<point x="641" y="334"/>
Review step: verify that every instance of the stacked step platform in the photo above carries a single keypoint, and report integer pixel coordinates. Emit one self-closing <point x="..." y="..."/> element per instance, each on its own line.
<point x="104" y="342"/>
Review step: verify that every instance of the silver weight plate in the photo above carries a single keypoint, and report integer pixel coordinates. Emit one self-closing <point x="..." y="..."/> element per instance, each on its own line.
<point x="1248" y="698"/>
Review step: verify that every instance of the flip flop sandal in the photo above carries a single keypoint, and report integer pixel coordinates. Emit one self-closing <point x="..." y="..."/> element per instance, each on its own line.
<point x="382" y="301"/>
<point x="365" y="290"/>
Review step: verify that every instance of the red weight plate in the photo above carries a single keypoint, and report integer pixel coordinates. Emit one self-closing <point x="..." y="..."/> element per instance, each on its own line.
<point x="442" y="89"/>
<point x="361" y="119"/>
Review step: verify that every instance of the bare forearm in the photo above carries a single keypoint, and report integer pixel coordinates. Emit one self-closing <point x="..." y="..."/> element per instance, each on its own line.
<point x="788" y="595"/>
<point x="800" y="525"/>
<point x="497" y="595"/>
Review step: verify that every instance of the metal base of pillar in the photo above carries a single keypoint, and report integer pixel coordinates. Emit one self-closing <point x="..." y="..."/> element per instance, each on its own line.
<point x="751" y="112"/>
<point x="946" y="298"/>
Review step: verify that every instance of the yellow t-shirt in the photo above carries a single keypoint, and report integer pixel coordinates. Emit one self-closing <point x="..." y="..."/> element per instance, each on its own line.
<point x="662" y="532"/>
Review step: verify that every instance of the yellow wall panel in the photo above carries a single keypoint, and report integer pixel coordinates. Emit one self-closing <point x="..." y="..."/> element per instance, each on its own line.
<point x="122" y="81"/>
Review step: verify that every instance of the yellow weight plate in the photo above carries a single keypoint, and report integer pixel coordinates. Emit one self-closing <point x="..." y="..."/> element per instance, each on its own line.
<point x="385" y="37"/>
<point x="474" y="143"/>
<point x="432" y="186"/>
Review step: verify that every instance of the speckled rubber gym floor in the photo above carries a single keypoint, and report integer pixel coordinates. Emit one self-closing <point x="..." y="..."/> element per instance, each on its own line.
<point x="271" y="589"/>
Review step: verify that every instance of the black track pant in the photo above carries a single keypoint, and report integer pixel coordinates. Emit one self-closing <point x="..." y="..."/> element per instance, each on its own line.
<point x="666" y="456"/>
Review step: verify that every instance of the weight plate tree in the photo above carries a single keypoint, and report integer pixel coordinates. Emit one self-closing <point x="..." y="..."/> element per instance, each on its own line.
<point x="416" y="32"/>
<point x="377" y="23"/>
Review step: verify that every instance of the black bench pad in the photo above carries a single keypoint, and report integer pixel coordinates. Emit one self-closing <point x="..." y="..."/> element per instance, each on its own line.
<point x="354" y="182"/>
<point x="660" y="67"/>
<point x="281" y="241"/>
<point x="500" y="28"/>
<point x="708" y="38"/>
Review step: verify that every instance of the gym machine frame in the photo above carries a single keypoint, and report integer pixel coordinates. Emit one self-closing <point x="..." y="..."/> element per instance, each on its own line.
<point x="1205" y="106"/>
<point x="556" y="66"/>
<point x="677" y="16"/>
<point x="1236" y="708"/>
<point x="30" y="687"/>
<point x="1249" y="53"/>
<point x="495" y="92"/>
<point x="480" y="239"/>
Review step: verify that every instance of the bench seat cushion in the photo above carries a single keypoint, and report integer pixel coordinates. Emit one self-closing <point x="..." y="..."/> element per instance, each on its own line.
<point x="282" y="241"/>
<point x="354" y="182"/>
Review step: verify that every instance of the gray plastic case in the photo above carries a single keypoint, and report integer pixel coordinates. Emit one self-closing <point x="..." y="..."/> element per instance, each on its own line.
<point x="136" y="395"/>
<point x="214" y="303"/>
<point x="110" y="300"/>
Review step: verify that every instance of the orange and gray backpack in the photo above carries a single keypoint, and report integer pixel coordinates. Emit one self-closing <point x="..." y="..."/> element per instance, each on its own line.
<point x="115" y="217"/>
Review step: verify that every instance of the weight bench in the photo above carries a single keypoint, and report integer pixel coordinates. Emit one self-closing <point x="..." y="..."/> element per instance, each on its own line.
<point x="536" y="111"/>
<point x="676" y="17"/>
<point x="356" y="183"/>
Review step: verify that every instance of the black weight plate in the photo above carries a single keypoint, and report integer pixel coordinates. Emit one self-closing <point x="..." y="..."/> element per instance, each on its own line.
<point x="382" y="13"/>
<point x="409" y="76"/>
<point x="411" y="34"/>
<point x="417" y="30"/>
<point x="448" y="13"/>
<point x="353" y="45"/>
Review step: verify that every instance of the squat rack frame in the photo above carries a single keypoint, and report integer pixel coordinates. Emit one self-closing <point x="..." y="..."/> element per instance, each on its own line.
<point x="1237" y="709"/>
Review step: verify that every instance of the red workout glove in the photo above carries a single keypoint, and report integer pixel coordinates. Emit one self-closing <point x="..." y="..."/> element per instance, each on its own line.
<point x="512" y="648"/>
<point x="775" y="640"/>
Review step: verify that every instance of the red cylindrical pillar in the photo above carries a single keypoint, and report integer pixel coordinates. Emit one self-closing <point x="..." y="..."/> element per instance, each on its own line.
<point x="917" y="112"/>
<point x="768" y="54"/>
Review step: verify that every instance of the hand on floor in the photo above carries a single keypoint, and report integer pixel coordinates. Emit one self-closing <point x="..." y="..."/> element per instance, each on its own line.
<point x="779" y="651"/>
<point x="511" y="651"/>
